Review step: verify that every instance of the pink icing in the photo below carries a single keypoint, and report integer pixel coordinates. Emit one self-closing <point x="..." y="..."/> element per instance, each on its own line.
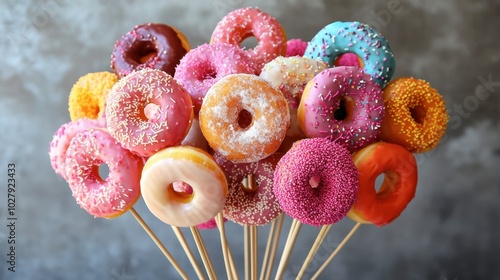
<point x="147" y="111"/>
<point x="201" y="67"/>
<point x="246" y="207"/>
<point x="239" y="24"/>
<point x="321" y="101"/>
<point x="295" y="47"/>
<point x="62" y="138"/>
<point x="316" y="182"/>
<point x="102" y="197"/>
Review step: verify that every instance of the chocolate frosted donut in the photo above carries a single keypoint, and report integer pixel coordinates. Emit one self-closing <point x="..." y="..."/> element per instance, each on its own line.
<point x="150" y="45"/>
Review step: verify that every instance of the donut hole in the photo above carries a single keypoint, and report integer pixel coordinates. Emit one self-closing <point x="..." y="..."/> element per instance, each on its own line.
<point x="141" y="51"/>
<point x="418" y="114"/>
<point x="250" y="184"/>
<point x="150" y="112"/>
<point x="340" y="113"/>
<point x="386" y="183"/>
<point x="348" y="59"/>
<point x="314" y="181"/>
<point x="180" y="191"/>
<point x="249" y="42"/>
<point x="102" y="170"/>
<point x="244" y="119"/>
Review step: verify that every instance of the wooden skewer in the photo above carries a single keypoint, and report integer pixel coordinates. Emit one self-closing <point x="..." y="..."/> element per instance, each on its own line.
<point x="188" y="252"/>
<point x="337" y="250"/>
<point x="290" y="242"/>
<point x="158" y="243"/>
<point x="247" y="249"/>
<point x="203" y="253"/>
<point x="268" y="249"/>
<point x="254" y="252"/>
<point x="274" y="247"/>
<point x="225" y="247"/>
<point x="319" y="239"/>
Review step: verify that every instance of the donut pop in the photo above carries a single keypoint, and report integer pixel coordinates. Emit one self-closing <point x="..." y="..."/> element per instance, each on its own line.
<point x="87" y="97"/>
<point x="416" y="116"/>
<point x="102" y="197"/>
<point x="316" y="182"/>
<point x="147" y="111"/>
<point x="246" y="205"/>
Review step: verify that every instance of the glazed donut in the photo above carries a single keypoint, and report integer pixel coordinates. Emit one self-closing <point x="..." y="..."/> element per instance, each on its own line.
<point x="147" y="111"/>
<point x="400" y="181"/>
<point x="416" y="116"/>
<point x="344" y="104"/>
<point x="242" y="23"/>
<point x="244" y="118"/>
<point x="102" y="197"/>
<point x="295" y="47"/>
<point x="201" y="67"/>
<point x="246" y="205"/>
<point x="367" y="43"/>
<point x="87" y="97"/>
<point x="192" y="166"/>
<point x="61" y="139"/>
<point x="316" y="182"/>
<point x="150" y="45"/>
<point x="290" y="75"/>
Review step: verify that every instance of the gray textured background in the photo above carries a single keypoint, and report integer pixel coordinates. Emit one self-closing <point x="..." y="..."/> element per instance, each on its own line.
<point x="449" y="231"/>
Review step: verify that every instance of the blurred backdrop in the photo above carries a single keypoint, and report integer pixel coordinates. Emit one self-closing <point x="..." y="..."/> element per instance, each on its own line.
<point x="449" y="231"/>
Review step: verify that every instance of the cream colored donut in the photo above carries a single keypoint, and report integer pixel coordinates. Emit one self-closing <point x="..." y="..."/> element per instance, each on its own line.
<point x="192" y="166"/>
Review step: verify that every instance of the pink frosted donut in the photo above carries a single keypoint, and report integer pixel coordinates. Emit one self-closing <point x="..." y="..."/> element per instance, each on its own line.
<point x="295" y="47"/>
<point x="250" y="206"/>
<point x="200" y="68"/>
<point x="102" y="197"/>
<point x="60" y="142"/>
<point x="147" y="111"/>
<point x="290" y="75"/>
<point x="344" y="104"/>
<point x="316" y="182"/>
<point x="242" y="23"/>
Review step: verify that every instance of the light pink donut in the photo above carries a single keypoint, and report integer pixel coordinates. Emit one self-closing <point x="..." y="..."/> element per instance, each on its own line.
<point x="147" y="111"/>
<point x="62" y="138"/>
<point x="242" y="23"/>
<point x="245" y="206"/>
<point x="344" y="104"/>
<point x="201" y="67"/>
<point x="316" y="182"/>
<point x="102" y="197"/>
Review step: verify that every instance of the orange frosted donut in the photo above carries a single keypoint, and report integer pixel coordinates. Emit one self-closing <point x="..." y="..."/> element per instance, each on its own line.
<point x="242" y="23"/>
<point x="244" y="118"/>
<point x="87" y="97"/>
<point x="400" y="182"/>
<point x="192" y="166"/>
<point x="415" y="115"/>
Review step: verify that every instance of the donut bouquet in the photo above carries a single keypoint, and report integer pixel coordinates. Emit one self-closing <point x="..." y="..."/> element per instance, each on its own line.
<point x="248" y="135"/>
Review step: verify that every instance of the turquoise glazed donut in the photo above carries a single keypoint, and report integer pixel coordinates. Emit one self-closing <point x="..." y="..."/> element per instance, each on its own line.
<point x="354" y="37"/>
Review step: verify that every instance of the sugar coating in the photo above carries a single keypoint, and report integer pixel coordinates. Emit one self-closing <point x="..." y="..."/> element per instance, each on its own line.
<point x="242" y="23"/>
<point x="364" y="106"/>
<point x="342" y="37"/>
<point x="127" y="120"/>
<point x="102" y="197"/>
<point x="219" y="118"/>
<point x="399" y="126"/>
<point x="246" y="207"/>
<point x="332" y="171"/>
<point x="204" y="65"/>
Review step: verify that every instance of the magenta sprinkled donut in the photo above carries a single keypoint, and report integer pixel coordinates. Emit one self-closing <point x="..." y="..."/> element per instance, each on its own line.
<point x="246" y="205"/>
<point x="102" y="197"/>
<point x="316" y="182"/>
<point x="201" y="67"/>
<point x="344" y="104"/>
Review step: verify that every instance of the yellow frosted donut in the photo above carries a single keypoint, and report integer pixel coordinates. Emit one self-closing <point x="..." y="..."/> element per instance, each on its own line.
<point x="192" y="166"/>
<point x="88" y="95"/>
